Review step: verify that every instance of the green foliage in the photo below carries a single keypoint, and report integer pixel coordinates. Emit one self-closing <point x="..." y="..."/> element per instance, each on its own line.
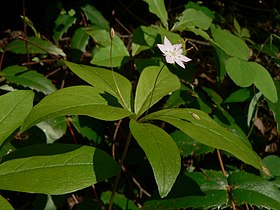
<point x="91" y="111"/>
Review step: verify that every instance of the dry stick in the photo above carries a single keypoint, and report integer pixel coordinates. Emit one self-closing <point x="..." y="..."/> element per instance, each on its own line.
<point x="225" y="174"/>
<point x="115" y="139"/>
<point x="25" y="32"/>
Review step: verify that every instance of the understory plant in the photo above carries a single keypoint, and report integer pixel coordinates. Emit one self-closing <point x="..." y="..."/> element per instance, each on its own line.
<point x="133" y="128"/>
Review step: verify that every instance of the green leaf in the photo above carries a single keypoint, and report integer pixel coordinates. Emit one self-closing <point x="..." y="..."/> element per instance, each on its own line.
<point x="106" y="81"/>
<point x="275" y="107"/>
<point x="75" y="100"/>
<point x="240" y="95"/>
<point x="154" y="83"/>
<point x="264" y="82"/>
<point x="192" y="18"/>
<point x="157" y="7"/>
<point x="272" y="162"/>
<point x="120" y="201"/>
<point x="230" y="44"/>
<point x="95" y="17"/>
<point x="113" y="54"/>
<point x="80" y="39"/>
<point x="15" y="106"/>
<point x="254" y="190"/>
<point x="62" y="24"/>
<point x="5" y="204"/>
<point x="243" y="73"/>
<point x="47" y="166"/>
<point x="28" y="78"/>
<point x="205" y="190"/>
<point x="35" y="46"/>
<point x="252" y="106"/>
<point x="161" y="151"/>
<point x="203" y="129"/>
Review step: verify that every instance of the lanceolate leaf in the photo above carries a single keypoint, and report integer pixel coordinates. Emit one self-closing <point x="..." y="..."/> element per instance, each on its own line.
<point x="254" y="190"/>
<point x="14" y="107"/>
<point x="157" y="7"/>
<point x="75" y="100"/>
<point x="55" y="168"/>
<point x="5" y="204"/>
<point x="161" y="151"/>
<point x="152" y="85"/>
<point x="105" y="80"/>
<point x="202" y="128"/>
<point x="28" y="78"/>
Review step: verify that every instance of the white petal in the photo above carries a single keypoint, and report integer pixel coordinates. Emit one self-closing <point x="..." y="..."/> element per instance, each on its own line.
<point x="184" y="58"/>
<point x="167" y="43"/>
<point x="177" y="47"/>
<point x="169" y="59"/>
<point x="162" y="48"/>
<point x="180" y="63"/>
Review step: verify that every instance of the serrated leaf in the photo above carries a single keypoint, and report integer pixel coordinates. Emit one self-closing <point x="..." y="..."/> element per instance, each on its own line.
<point x="157" y="7"/>
<point x="75" y="100"/>
<point x="95" y="17"/>
<point x="230" y="44"/>
<point x="254" y="190"/>
<point x="161" y="151"/>
<point x="192" y="18"/>
<point x="106" y="81"/>
<point x="42" y="168"/>
<point x="152" y="87"/>
<point x="203" y="129"/>
<point x="5" y="204"/>
<point x="62" y="24"/>
<point x="15" y="106"/>
<point x="80" y="39"/>
<point x="20" y="75"/>
<point x="35" y="46"/>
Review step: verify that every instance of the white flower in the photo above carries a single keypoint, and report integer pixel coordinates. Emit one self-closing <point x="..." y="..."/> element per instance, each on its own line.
<point x="173" y="53"/>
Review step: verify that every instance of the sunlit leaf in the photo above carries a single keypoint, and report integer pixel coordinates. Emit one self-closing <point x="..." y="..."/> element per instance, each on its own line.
<point x="203" y="129"/>
<point x="106" y="81"/>
<point x="157" y="7"/>
<point x="75" y="100"/>
<point x="161" y="151"/>
<point x="5" y="204"/>
<point x="192" y="18"/>
<point x="20" y="75"/>
<point x="14" y="107"/>
<point x="42" y="168"/>
<point x="153" y="87"/>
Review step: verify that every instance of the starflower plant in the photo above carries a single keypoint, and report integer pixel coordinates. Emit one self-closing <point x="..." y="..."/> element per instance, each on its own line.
<point x="173" y="53"/>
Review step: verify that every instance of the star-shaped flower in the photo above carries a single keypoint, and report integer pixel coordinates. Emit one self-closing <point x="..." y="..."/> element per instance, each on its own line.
<point x="173" y="53"/>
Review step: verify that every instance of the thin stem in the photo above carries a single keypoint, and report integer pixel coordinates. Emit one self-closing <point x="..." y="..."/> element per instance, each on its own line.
<point x="119" y="175"/>
<point x="153" y="90"/>
<point x="221" y="162"/>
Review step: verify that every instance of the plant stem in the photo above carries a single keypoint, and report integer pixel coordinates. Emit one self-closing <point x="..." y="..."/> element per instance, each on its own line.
<point x="119" y="175"/>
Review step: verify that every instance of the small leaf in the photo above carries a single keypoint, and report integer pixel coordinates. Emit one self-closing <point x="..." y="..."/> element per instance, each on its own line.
<point x="80" y="39"/>
<point x="75" y="100"/>
<point x="272" y="162"/>
<point x="254" y="190"/>
<point x="95" y="17"/>
<point x="230" y="44"/>
<point x="192" y="18"/>
<point x="120" y="201"/>
<point x="71" y="167"/>
<point x="161" y="151"/>
<point x="15" y="106"/>
<point x="35" y="46"/>
<point x="275" y="107"/>
<point x="243" y="73"/>
<point x="62" y="24"/>
<point x="203" y="129"/>
<point x="105" y="81"/>
<point x="252" y="106"/>
<point x="28" y="78"/>
<point x="151" y="84"/>
<point x="5" y="204"/>
<point x="240" y="95"/>
<point x="157" y="7"/>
